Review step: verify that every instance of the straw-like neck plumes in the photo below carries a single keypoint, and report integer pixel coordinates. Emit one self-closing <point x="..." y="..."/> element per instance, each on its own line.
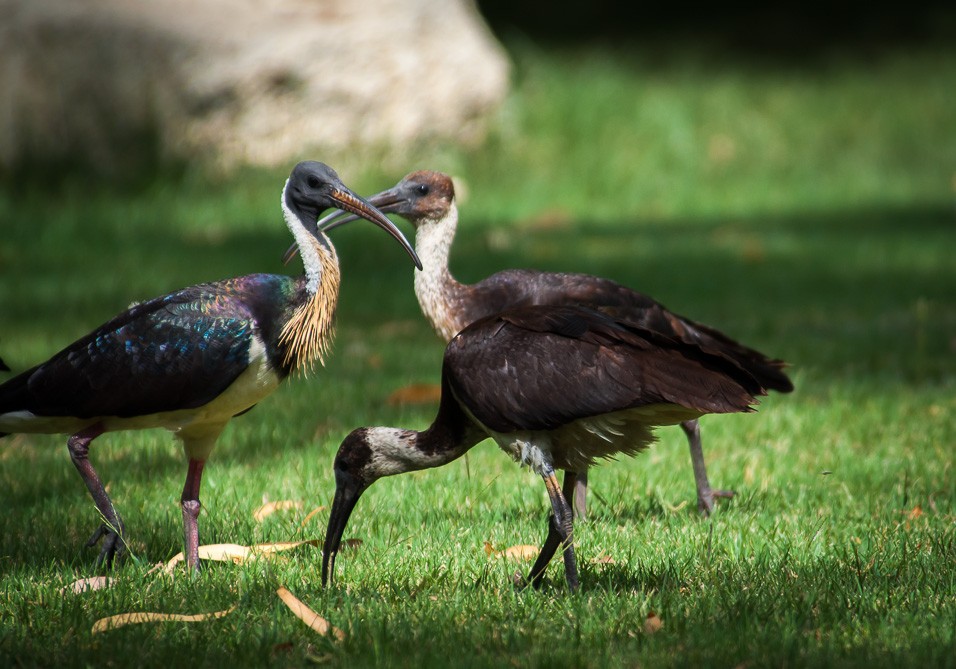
<point x="307" y="334"/>
<point x="435" y="286"/>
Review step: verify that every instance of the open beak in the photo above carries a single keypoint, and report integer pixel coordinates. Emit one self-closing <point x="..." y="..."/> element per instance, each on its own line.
<point x="348" y="489"/>
<point x="385" y="202"/>
<point x="350" y="202"/>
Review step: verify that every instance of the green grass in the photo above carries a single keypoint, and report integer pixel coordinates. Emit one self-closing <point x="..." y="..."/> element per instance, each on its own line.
<point x="807" y="212"/>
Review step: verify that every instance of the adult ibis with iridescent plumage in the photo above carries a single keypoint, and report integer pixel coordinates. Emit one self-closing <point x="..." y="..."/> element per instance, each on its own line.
<point x="191" y="360"/>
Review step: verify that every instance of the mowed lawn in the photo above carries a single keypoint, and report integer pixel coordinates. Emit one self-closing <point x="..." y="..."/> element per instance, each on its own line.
<point x="809" y="212"/>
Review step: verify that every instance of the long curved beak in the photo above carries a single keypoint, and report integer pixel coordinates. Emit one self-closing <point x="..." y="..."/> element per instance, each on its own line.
<point x="351" y="203"/>
<point x="335" y="219"/>
<point x="386" y="202"/>
<point x="347" y="492"/>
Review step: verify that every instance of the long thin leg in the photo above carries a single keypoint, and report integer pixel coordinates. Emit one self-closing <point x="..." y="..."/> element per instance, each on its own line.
<point x="705" y="495"/>
<point x="580" y="495"/>
<point x="112" y="529"/>
<point x="553" y="539"/>
<point x="191" y="507"/>
<point x="560" y="531"/>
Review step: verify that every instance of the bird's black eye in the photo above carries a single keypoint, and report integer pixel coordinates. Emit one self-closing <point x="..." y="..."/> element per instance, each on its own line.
<point x="313" y="181"/>
<point x="422" y="189"/>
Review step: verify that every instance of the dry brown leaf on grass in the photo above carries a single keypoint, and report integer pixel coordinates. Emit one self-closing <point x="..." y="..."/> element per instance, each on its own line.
<point x="556" y="218"/>
<point x="238" y="554"/>
<point x="270" y="508"/>
<point x="159" y="566"/>
<point x="215" y="552"/>
<point x="518" y="552"/>
<point x="123" y="619"/>
<point x="652" y="623"/>
<point x="279" y="546"/>
<point x="311" y="514"/>
<point x="87" y="584"/>
<point x="416" y="393"/>
<point x="351" y="544"/>
<point x="308" y="616"/>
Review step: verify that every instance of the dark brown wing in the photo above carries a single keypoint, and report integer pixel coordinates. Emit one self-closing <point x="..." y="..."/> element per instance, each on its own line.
<point x="515" y="288"/>
<point x="542" y="367"/>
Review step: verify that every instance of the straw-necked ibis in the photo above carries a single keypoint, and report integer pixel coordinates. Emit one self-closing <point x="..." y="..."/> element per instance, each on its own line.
<point x="427" y="200"/>
<point x="191" y="360"/>
<point x="557" y="387"/>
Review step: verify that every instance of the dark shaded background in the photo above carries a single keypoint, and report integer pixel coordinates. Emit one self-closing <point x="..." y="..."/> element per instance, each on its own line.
<point x="784" y="30"/>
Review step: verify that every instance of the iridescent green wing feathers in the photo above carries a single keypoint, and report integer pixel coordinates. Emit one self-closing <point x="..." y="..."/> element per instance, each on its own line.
<point x="178" y="351"/>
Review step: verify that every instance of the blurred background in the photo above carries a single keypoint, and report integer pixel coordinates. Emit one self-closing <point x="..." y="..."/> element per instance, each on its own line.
<point x="122" y="87"/>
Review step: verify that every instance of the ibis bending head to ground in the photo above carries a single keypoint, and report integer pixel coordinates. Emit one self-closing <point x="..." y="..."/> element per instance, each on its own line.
<point x="191" y="360"/>
<point x="427" y="200"/>
<point x="557" y="387"/>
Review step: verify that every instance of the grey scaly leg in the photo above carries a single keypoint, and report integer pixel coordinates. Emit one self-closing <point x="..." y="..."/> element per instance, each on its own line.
<point x="560" y="531"/>
<point x="705" y="495"/>
<point x="112" y="528"/>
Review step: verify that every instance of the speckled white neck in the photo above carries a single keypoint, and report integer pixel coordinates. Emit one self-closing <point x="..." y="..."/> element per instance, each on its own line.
<point x="435" y="287"/>
<point x="395" y="451"/>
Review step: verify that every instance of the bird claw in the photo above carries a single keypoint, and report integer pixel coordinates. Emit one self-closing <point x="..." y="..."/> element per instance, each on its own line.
<point x="113" y="548"/>
<point x="705" y="499"/>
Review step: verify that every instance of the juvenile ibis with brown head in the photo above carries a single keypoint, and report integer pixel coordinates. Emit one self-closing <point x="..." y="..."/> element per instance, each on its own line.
<point x="191" y="360"/>
<point x="557" y="387"/>
<point x="427" y="200"/>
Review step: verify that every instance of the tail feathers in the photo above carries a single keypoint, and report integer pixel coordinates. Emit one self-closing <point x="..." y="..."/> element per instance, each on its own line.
<point x="768" y="372"/>
<point x="3" y="366"/>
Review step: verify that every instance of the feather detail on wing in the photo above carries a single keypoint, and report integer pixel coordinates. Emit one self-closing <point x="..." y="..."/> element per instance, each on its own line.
<point x="178" y="351"/>
<point x="544" y="367"/>
<point x="515" y="288"/>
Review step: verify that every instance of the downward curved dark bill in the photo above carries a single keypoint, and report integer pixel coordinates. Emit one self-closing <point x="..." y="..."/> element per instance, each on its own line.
<point x="348" y="489"/>
<point x="359" y="207"/>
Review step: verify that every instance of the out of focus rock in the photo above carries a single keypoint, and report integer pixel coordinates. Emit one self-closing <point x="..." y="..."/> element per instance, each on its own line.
<point x="240" y="81"/>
